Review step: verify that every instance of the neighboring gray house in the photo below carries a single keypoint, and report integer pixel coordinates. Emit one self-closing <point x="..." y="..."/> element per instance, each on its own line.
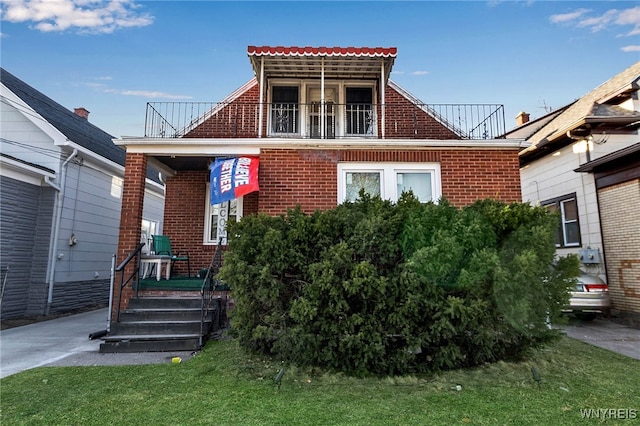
<point x="584" y="161"/>
<point x="60" y="199"/>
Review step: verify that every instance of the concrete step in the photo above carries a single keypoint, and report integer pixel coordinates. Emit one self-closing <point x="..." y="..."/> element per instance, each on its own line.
<point x="150" y="343"/>
<point x="164" y="302"/>
<point x="156" y="327"/>
<point x="161" y="314"/>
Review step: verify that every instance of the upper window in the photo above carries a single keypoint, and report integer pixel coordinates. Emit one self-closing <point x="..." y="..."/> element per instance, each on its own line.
<point x="216" y="218"/>
<point x="285" y="109"/>
<point x="359" y="111"/>
<point x="568" y="231"/>
<point x="389" y="180"/>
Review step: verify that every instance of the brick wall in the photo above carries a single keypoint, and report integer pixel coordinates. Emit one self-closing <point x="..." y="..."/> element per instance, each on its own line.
<point x="309" y="178"/>
<point x="404" y="120"/>
<point x="237" y="120"/>
<point x="620" y="225"/>
<point x="135" y="174"/>
<point x="240" y="119"/>
<point x="469" y="175"/>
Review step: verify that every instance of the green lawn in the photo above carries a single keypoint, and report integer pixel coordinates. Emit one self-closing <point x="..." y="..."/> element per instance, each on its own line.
<point x="221" y="386"/>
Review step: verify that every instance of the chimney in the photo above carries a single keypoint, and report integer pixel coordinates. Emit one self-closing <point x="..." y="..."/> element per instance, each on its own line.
<point x="82" y="112"/>
<point x="522" y="118"/>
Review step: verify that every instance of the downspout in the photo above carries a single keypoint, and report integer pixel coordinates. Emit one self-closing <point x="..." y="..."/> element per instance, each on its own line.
<point x="53" y="243"/>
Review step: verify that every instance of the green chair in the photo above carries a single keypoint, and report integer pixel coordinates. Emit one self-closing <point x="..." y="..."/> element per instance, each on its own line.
<point x="162" y="246"/>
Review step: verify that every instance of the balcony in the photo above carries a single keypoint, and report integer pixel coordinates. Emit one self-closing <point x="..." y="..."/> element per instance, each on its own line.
<point x="324" y="120"/>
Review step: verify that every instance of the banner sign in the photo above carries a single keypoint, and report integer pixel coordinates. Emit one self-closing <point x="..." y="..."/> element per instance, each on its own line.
<point x="233" y="177"/>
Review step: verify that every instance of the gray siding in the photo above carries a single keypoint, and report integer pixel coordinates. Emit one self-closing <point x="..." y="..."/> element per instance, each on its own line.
<point x="26" y="213"/>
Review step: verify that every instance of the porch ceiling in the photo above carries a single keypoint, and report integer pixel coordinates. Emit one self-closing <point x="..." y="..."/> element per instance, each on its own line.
<point x="178" y="163"/>
<point x="307" y="62"/>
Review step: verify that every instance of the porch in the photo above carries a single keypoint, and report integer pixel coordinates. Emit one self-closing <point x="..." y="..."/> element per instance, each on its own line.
<point x="179" y="312"/>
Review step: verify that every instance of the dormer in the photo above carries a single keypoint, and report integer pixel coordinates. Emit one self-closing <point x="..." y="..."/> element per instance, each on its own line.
<point x="322" y="92"/>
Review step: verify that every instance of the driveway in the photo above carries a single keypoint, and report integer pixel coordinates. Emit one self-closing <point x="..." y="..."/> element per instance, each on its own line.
<point x="608" y="335"/>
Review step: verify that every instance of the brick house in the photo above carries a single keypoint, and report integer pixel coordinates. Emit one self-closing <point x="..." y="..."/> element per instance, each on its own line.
<point x="324" y="123"/>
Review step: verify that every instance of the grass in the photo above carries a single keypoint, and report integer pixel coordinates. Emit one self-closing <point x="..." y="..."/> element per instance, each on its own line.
<point x="223" y="386"/>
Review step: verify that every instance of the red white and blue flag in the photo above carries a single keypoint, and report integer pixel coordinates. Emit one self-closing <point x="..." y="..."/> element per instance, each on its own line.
<point x="233" y="177"/>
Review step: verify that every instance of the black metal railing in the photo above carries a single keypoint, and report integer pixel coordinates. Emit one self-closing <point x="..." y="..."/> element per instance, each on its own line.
<point x="207" y="290"/>
<point x="133" y="278"/>
<point x="324" y="120"/>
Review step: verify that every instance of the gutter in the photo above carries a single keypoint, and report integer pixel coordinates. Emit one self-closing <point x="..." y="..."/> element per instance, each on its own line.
<point x="53" y="243"/>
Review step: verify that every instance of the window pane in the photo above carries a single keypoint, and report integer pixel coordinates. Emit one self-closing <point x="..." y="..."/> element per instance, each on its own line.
<point x="572" y="233"/>
<point x="359" y="111"/>
<point x="355" y="181"/>
<point x="570" y="210"/>
<point x="419" y="183"/>
<point x="284" y="110"/>
<point x="359" y="95"/>
<point x="282" y="94"/>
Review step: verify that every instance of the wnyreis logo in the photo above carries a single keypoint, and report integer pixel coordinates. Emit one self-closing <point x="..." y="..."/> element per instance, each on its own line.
<point x="609" y="413"/>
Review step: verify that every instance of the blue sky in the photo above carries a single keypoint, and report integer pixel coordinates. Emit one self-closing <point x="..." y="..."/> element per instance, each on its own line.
<point x="112" y="57"/>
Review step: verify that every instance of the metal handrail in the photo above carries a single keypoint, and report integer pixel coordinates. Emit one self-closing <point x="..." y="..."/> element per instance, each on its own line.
<point x="208" y="287"/>
<point x="135" y="254"/>
<point x="327" y="120"/>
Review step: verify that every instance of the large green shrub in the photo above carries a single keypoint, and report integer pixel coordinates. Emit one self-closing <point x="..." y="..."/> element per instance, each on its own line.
<point x="373" y="287"/>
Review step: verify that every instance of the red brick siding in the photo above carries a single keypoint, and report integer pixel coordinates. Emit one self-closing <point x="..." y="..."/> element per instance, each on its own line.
<point x="469" y="175"/>
<point x="184" y="210"/>
<point x="403" y="120"/>
<point x="237" y="120"/>
<point x="130" y="217"/>
<point x="309" y="178"/>
<point x="184" y="219"/>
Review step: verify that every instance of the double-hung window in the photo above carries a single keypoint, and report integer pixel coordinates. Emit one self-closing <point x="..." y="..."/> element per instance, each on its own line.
<point x="216" y="218"/>
<point x="389" y="180"/>
<point x="285" y="110"/>
<point x="568" y="231"/>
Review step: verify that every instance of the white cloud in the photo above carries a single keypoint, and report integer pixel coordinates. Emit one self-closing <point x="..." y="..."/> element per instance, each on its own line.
<point x="566" y="17"/>
<point x="84" y="16"/>
<point x="420" y="73"/>
<point x="582" y="18"/>
<point x="147" y="94"/>
<point x="632" y="48"/>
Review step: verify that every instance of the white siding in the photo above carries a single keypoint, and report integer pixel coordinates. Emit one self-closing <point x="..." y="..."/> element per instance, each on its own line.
<point x="22" y="139"/>
<point x="553" y="176"/>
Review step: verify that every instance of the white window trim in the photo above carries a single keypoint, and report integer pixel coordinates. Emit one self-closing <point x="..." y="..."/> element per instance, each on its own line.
<point x="565" y="222"/>
<point x="207" y="218"/>
<point x="303" y="99"/>
<point x="388" y="171"/>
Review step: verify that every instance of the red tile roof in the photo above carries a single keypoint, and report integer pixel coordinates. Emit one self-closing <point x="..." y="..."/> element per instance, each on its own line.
<point x="384" y="52"/>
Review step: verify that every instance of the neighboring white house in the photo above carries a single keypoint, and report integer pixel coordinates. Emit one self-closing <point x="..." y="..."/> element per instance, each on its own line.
<point x="584" y="160"/>
<point x="60" y="190"/>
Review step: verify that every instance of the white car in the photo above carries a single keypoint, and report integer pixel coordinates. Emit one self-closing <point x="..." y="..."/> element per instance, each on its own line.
<point x="590" y="298"/>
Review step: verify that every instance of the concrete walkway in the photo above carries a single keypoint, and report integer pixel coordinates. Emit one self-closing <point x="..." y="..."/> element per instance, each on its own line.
<point x="65" y="342"/>
<point x="608" y="335"/>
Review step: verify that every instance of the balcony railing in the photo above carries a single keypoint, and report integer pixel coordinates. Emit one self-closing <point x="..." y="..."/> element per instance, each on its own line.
<point x="324" y="120"/>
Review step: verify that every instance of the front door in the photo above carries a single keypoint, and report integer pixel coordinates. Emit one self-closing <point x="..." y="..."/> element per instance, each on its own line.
<point x="321" y="119"/>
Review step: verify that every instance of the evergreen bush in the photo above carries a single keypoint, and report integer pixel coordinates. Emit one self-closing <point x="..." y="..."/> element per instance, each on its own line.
<point x="374" y="287"/>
